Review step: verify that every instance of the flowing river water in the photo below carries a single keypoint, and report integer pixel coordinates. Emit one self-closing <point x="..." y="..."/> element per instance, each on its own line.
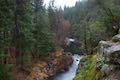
<point x="70" y="74"/>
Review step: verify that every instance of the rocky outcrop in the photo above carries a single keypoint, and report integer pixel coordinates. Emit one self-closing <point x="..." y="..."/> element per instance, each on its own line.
<point x="116" y="38"/>
<point x="108" y="55"/>
<point x="57" y="62"/>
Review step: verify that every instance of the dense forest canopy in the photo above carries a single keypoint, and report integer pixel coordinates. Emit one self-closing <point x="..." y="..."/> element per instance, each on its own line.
<point x="92" y="18"/>
<point x="29" y="30"/>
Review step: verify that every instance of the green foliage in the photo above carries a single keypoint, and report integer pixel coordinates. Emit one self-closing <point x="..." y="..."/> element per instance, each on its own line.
<point x="25" y="58"/>
<point x="116" y="40"/>
<point x="92" y="18"/>
<point x="25" y="40"/>
<point x="95" y="31"/>
<point x="110" y="17"/>
<point x="5" y="72"/>
<point x="97" y="27"/>
<point x="87" y="69"/>
<point x="5" y="24"/>
<point x="32" y="30"/>
<point x="89" y="21"/>
<point x="41" y="31"/>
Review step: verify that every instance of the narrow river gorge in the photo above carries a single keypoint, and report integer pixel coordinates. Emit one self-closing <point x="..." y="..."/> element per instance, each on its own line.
<point x="70" y="74"/>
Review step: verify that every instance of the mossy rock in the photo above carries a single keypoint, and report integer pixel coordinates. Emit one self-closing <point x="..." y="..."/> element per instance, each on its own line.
<point x="88" y="71"/>
<point x="116" y="38"/>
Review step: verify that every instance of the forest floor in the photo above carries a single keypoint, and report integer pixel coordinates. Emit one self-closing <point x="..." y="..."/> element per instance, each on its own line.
<point x="22" y="74"/>
<point x="39" y="68"/>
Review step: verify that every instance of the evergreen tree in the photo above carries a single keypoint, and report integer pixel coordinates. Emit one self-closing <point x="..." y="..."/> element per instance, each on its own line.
<point x="6" y="23"/>
<point x="22" y="36"/>
<point x="43" y="43"/>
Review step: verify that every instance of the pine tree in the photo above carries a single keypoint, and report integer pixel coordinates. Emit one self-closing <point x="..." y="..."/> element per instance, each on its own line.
<point x="6" y="23"/>
<point x="22" y="37"/>
<point x="41" y="32"/>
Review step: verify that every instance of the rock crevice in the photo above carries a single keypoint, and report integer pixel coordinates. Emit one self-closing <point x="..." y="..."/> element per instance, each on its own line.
<point x="108" y="56"/>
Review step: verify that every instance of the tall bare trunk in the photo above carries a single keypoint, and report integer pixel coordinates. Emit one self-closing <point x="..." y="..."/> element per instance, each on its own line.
<point x="16" y="31"/>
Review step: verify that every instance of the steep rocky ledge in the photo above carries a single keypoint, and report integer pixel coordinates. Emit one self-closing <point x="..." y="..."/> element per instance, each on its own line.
<point x="108" y="58"/>
<point x="57" y="62"/>
<point x="105" y="65"/>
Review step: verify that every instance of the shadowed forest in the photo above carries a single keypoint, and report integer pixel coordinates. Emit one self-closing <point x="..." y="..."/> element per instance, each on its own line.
<point x="38" y="42"/>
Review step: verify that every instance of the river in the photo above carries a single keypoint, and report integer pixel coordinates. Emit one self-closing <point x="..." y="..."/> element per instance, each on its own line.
<point x="70" y="74"/>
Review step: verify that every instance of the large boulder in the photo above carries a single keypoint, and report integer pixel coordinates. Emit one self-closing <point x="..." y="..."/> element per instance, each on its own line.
<point x="107" y="69"/>
<point x="109" y="54"/>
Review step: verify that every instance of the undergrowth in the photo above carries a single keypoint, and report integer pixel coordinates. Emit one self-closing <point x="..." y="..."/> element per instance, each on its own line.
<point x="87" y="69"/>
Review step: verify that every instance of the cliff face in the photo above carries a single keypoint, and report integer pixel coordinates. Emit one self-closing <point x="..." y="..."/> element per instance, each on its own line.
<point x="57" y="62"/>
<point x="105" y="65"/>
<point x="108" y="58"/>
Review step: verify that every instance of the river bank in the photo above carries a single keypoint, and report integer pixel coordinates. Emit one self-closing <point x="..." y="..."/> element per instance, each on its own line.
<point x="57" y="62"/>
<point x="71" y="72"/>
<point x="87" y="69"/>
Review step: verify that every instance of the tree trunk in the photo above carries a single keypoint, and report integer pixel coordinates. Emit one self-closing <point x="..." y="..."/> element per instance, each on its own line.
<point x="16" y="31"/>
